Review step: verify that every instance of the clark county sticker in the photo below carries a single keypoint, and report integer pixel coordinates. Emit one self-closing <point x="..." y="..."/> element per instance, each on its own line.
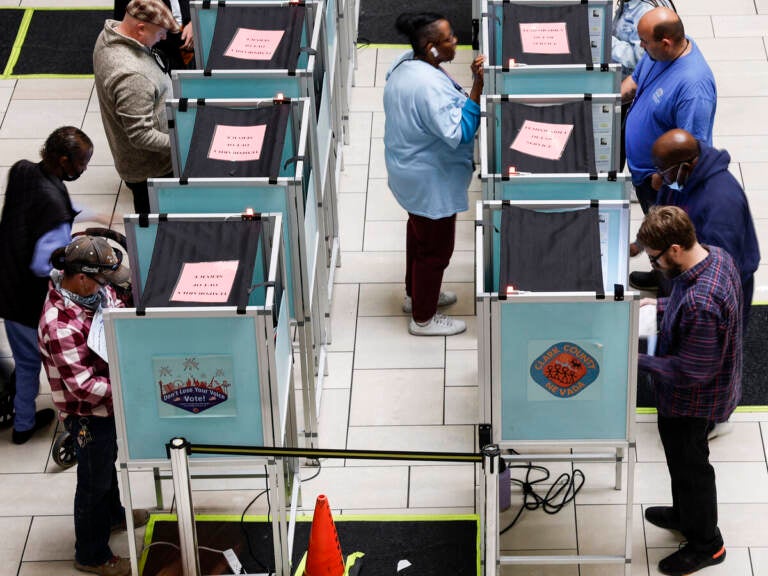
<point x="194" y="384"/>
<point x="565" y="369"/>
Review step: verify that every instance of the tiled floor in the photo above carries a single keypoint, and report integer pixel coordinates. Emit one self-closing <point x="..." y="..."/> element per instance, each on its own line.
<point x="388" y="390"/>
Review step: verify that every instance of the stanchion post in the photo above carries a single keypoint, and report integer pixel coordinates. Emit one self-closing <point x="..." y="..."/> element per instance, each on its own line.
<point x="491" y="464"/>
<point x="190" y="561"/>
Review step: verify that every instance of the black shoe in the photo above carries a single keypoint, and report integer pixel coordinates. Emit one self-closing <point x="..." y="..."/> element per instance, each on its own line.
<point x="644" y="280"/>
<point x="663" y="517"/>
<point x="687" y="560"/>
<point x="42" y="419"/>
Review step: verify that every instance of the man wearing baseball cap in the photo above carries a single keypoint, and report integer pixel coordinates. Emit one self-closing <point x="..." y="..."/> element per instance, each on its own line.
<point x="82" y="392"/>
<point x="132" y="86"/>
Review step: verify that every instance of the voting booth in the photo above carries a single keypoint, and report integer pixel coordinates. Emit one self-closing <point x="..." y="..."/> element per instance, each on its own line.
<point x="206" y="352"/>
<point x="232" y="155"/>
<point x="549" y="134"/>
<point x="557" y="356"/>
<point x="254" y="49"/>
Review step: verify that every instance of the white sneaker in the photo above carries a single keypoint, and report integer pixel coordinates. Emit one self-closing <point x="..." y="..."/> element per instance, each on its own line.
<point x="720" y="429"/>
<point x="438" y="325"/>
<point x="445" y="299"/>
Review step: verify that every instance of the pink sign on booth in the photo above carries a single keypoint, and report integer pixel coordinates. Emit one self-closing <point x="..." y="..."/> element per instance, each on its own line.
<point x="205" y="281"/>
<point x="542" y="140"/>
<point x="250" y="44"/>
<point x="237" y="143"/>
<point x="544" y="38"/>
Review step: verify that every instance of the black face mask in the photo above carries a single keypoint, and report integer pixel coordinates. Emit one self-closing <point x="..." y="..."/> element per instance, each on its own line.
<point x="72" y="177"/>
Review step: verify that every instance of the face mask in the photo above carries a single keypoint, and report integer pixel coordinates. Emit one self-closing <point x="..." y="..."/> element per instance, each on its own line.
<point x="72" y="177"/>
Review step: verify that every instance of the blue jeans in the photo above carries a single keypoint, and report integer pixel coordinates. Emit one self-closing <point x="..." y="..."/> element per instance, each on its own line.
<point x="26" y="357"/>
<point x="97" y="497"/>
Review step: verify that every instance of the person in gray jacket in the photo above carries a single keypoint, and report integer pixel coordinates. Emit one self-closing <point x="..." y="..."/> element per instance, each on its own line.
<point x="132" y="86"/>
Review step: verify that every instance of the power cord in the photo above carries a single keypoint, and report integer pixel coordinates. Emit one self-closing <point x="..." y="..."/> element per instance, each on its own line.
<point x="245" y="532"/>
<point x="562" y="491"/>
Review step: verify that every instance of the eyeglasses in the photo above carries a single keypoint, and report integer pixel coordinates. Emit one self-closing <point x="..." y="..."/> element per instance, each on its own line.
<point x="655" y="259"/>
<point x="666" y="174"/>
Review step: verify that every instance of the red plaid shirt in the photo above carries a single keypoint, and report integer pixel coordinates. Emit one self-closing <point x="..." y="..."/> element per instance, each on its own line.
<point x="79" y="377"/>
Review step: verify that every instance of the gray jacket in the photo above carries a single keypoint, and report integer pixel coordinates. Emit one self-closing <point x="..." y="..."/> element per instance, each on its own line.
<point x="132" y="90"/>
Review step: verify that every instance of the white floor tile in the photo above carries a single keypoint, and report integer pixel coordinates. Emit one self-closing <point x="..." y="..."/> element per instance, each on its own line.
<point x="435" y="486"/>
<point x="92" y="126"/>
<point x="53" y="89"/>
<point x="759" y="558"/>
<point x="461" y="368"/>
<point x="344" y="317"/>
<point x="334" y="420"/>
<point x="687" y="7"/>
<point x="377" y="167"/>
<point x="413" y="438"/>
<point x="351" y="220"/>
<point x="602" y="530"/>
<point x="354" y="178"/>
<point x="37" y="118"/>
<point x="740" y="78"/>
<point x="385" y="236"/>
<point x="61" y="568"/>
<point x="527" y="533"/>
<point x="740" y="26"/>
<point x="397" y="397"/>
<point x="716" y="49"/>
<point x="360" y="487"/>
<point x="339" y="370"/>
<point x="14" y="530"/>
<point x="13" y="150"/>
<point x="96" y="180"/>
<point x="385" y="343"/>
<point x="37" y="494"/>
<point x="381" y="203"/>
<point x="740" y="117"/>
<point x="462" y="405"/>
<point x="367" y="99"/>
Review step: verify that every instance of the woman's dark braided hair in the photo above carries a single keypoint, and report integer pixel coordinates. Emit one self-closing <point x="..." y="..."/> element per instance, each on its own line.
<point x="419" y="28"/>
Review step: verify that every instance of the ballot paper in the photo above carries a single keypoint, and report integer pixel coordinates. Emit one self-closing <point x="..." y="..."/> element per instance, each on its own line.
<point x="647" y="326"/>
<point x="97" y="340"/>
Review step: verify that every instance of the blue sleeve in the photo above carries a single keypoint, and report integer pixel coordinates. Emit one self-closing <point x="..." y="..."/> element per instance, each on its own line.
<point x="46" y="244"/>
<point x="696" y="114"/>
<point x="470" y="120"/>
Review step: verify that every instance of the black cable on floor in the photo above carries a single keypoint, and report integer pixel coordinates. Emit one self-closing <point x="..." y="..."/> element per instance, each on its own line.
<point x="562" y="492"/>
<point x="245" y="532"/>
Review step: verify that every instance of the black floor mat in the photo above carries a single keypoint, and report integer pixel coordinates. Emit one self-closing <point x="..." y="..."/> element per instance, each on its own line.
<point x="377" y="19"/>
<point x="433" y="547"/>
<point x="9" y="27"/>
<point x="754" y="384"/>
<point x="60" y="42"/>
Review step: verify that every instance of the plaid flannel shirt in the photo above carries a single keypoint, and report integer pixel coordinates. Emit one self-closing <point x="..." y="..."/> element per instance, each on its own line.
<point x="697" y="367"/>
<point x="79" y="377"/>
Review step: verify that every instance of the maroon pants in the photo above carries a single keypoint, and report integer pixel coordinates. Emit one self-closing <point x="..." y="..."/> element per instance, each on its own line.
<point x="428" y="250"/>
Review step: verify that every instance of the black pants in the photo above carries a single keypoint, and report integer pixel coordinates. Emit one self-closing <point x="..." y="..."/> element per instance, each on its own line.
<point x="141" y="194"/>
<point x="694" y="495"/>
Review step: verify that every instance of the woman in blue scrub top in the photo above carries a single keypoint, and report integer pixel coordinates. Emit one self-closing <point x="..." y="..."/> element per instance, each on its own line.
<point x="429" y="135"/>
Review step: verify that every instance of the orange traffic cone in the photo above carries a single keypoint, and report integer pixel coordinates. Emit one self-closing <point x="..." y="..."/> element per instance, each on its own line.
<point x="324" y="556"/>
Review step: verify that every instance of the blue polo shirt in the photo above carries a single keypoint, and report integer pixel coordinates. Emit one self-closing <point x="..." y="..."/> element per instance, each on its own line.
<point x="676" y="94"/>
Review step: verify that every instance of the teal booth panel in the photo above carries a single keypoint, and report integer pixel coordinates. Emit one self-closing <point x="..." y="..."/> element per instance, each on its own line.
<point x="205" y="19"/>
<point x="182" y="128"/>
<point x="187" y="376"/>
<point x="614" y="245"/>
<point x="537" y="187"/>
<point x="566" y="79"/>
<point x="606" y="127"/>
<point x="141" y="245"/>
<point x="563" y="370"/>
<point x="283" y="364"/>
<point x="311" y="228"/>
<point x="600" y="16"/>
<point x="169" y="197"/>
<point x="235" y="84"/>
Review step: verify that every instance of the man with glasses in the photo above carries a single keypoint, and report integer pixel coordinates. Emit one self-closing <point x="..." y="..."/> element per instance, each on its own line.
<point x="82" y="392"/>
<point x="132" y="86"/>
<point x="696" y="373"/>
<point x="694" y="176"/>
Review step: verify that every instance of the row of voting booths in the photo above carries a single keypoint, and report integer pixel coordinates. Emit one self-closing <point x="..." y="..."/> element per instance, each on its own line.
<point x="233" y="269"/>
<point x="556" y="326"/>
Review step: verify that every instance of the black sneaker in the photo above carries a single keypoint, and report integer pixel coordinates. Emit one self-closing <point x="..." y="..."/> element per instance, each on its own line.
<point x="687" y="560"/>
<point x="42" y="419"/>
<point x="663" y="517"/>
<point x="644" y="280"/>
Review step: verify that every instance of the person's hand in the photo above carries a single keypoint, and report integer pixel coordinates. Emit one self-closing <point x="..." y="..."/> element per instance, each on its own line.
<point x="477" y="68"/>
<point x="656" y="181"/>
<point x="187" y="37"/>
<point x="647" y="302"/>
<point x="634" y="249"/>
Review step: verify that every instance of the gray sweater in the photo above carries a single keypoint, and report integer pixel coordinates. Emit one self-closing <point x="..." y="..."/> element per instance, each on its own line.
<point x="132" y="90"/>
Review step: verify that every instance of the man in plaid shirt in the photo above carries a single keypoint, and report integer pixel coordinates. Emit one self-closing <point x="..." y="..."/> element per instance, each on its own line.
<point x="697" y="377"/>
<point x="82" y="392"/>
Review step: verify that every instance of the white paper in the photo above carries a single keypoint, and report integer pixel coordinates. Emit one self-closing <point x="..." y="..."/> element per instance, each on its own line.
<point x="647" y="322"/>
<point x="97" y="340"/>
<point x="402" y="565"/>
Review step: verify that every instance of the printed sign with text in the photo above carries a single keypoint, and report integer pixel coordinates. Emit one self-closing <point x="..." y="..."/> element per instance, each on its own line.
<point x="205" y="281"/>
<point x="237" y="143"/>
<point x="250" y="44"/>
<point x="544" y="37"/>
<point x="542" y="139"/>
